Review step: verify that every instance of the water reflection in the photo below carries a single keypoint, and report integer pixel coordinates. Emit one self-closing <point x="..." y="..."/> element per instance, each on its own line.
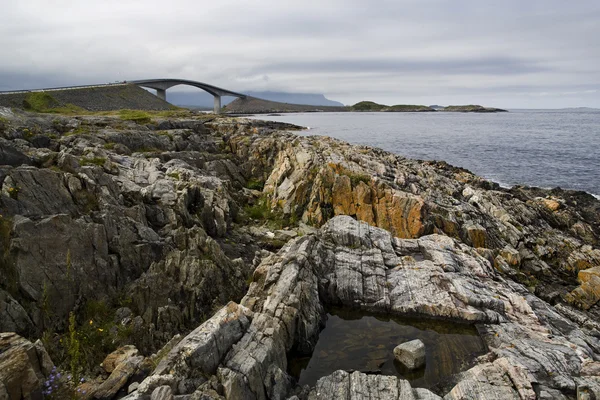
<point x="355" y="341"/>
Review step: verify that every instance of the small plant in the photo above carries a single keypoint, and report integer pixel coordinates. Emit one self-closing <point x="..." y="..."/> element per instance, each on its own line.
<point x="74" y="349"/>
<point x="60" y="386"/>
<point x="175" y="175"/>
<point x="255" y="184"/>
<point x="109" y="145"/>
<point x="355" y="179"/>
<point x="13" y="192"/>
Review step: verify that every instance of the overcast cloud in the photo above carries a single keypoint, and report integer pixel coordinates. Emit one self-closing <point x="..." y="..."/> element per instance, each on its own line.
<point x="534" y="53"/>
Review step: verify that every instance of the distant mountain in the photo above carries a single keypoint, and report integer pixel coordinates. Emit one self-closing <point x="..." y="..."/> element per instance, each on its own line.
<point x="204" y="100"/>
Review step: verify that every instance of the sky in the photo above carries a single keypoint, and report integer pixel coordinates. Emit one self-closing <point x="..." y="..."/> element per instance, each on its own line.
<point x="510" y="54"/>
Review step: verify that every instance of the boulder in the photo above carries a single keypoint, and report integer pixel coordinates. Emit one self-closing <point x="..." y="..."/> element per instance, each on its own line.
<point x="411" y="354"/>
<point x="24" y="367"/>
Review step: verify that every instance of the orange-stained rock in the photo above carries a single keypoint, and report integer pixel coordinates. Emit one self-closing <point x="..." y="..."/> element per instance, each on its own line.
<point x="343" y="200"/>
<point x="477" y="235"/>
<point x="363" y="203"/>
<point x="588" y="292"/>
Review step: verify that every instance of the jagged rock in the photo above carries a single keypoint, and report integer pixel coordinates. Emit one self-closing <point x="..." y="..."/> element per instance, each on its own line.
<point x="155" y="224"/>
<point x="11" y="156"/>
<point x="202" y="351"/>
<point x="24" y="367"/>
<point x="162" y="393"/>
<point x="13" y="316"/>
<point x="588" y="292"/>
<point x="117" y="357"/>
<point x="119" y="377"/>
<point x="342" y="385"/>
<point x="411" y="354"/>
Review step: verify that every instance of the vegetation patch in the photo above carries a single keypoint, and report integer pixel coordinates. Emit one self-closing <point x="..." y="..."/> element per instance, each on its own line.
<point x="137" y="116"/>
<point x="43" y="102"/>
<point x="175" y="175"/>
<point x="255" y="184"/>
<point x="90" y="337"/>
<point x="274" y="218"/>
<point x="368" y="106"/>
<point x="99" y="161"/>
<point x="408" y="108"/>
<point x="7" y="269"/>
<point x="4" y="125"/>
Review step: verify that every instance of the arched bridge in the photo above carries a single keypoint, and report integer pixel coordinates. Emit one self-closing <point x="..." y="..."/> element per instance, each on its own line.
<point x="161" y="86"/>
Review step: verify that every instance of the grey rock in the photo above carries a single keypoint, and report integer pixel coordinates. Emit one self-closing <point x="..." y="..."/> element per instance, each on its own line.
<point x="162" y="393"/>
<point x="133" y="387"/>
<point x="11" y="156"/>
<point x="411" y="354"/>
<point x="202" y="351"/>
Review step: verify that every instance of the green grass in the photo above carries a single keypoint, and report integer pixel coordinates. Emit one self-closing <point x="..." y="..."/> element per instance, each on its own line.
<point x="99" y="161"/>
<point x="137" y="116"/>
<point x="355" y="179"/>
<point x="274" y="218"/>
<point x="43" y="102"/>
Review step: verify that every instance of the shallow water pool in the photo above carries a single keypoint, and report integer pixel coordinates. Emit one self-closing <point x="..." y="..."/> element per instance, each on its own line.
<point x="355" y="341"/>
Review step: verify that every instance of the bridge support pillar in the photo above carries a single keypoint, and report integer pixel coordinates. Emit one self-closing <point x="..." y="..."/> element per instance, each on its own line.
<point x="217" y="108"/>
<point x="162" y="94"/>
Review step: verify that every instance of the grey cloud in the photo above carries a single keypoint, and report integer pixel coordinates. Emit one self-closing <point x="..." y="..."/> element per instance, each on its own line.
<point x="490" y="65"/>
<point x="514" y="53"/>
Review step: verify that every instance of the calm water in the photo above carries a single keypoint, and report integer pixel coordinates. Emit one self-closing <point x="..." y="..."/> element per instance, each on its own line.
<point x="531" y="147"/>
<point x="353" y="341"/>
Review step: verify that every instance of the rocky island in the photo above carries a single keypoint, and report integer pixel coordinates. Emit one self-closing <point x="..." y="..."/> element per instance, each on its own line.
<point x="251" y="105"/>
<point x="172" y="255"/>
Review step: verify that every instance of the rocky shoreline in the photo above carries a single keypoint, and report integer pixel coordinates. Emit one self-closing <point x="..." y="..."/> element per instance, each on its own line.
<point x="192" y="254"/>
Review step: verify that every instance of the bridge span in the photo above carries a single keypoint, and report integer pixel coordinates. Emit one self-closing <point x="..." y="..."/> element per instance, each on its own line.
<point x="161" y="86"/>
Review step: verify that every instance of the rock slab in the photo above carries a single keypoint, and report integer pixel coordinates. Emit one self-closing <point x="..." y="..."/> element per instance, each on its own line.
<point x="411" y="354"/>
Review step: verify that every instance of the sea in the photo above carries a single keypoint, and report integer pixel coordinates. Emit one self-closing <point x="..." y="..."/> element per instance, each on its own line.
<point x="543" y="148"/>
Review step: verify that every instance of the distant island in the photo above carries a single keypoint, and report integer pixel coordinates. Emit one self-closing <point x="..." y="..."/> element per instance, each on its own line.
<point x="253" y="105"/>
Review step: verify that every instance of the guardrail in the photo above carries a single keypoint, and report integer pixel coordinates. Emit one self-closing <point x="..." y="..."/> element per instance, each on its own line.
<point x="62" y="88"/>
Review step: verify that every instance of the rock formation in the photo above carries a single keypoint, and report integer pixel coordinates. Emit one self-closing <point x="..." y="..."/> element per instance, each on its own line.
<point x="239" y="236"/>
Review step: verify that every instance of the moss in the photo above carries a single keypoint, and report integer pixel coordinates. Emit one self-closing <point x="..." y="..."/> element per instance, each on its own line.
<point x="137" y="116"/>
<point x="175" y="175"/>
<point x="7" y="269"/>
<point x="167" y="134"/>
<point x="355" y="179"/>
<point x="149" y="150"/>
<point x="4" y="125"/>
<point x="274" y="218"/>
<point x="255" y="184"/>
<point x="80" y="130"/>
<point x="99" y="161"/>
<point x="109" y="145"/>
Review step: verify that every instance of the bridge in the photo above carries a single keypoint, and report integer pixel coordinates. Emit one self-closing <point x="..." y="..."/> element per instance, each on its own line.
<point x="161" y="86"/>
